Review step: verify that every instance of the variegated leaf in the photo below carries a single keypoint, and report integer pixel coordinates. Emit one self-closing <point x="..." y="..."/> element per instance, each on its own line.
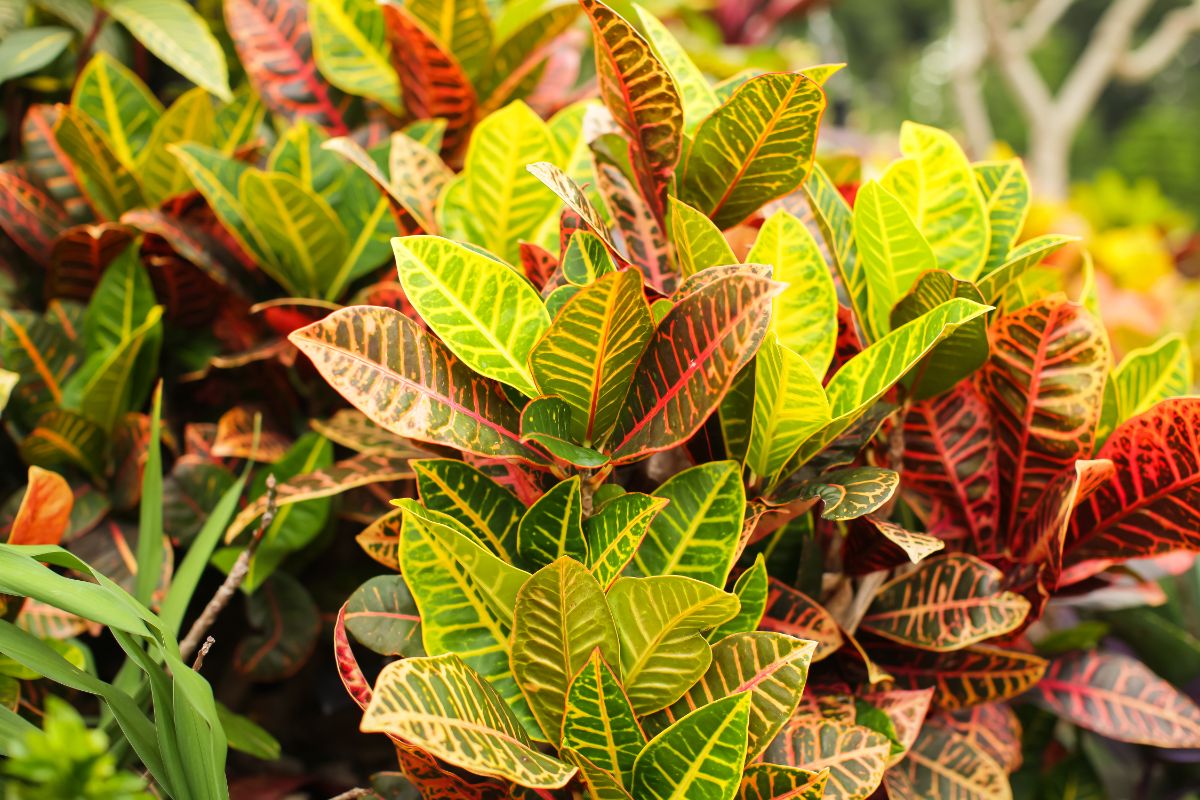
<point x="792" y="612"/>
<point x="409" y="383"/>
<point x="456" y="488"/>
<point x="945" y="764"/>
<point x="690" y="362"/>
<point x="1005" y="189"/>
<point x="856" y="757"/>
<point x="947" y="603"/>
<point x="698" y="243"/>
<point x="561" y="617"/>
<point x="777" y="782"/>
<point x="771" y="667"/>
<point x="553" y="526"/>
<point x="756" y="147"/>
<point x="599" y="723"/>
<point x="659" y="622"/>
<point x="382" y="615"/>
<point x="701" y="755"/>
<point x="444" y="707"/>
<point x="973" y="676"/>
<point x="615" y="530"/>
<point x="349" y="44"/>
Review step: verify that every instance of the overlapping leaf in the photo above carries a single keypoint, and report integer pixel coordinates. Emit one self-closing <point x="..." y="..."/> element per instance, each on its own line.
<point x="456" y="488"/>
<point x="792" y="612"/>
<point x="943" y="763"/>
<point x="700" y="755"/>
<point x="443" y="706"/>
<point x="275" y="46"/>
<point x="690" y="362"/>
<point x="947" y="603"/>
<point x="407" y="382"/>
<point x="382" y="615"/>
<point x="856" y="757"/>
<point x="1044" y="382"/>
<point x="616" y="530"/>
<point x="973" y="676"/>
<point x="350" y="47"/>
<point x="756" y="147"/>
<point x="1005" y="189"/>
<point x="659" y="620"/>
<point x="962" y="352"/>
<point x="561" y="618"/>
<point x="777" y="782"/>
<point x="553" y="526"/>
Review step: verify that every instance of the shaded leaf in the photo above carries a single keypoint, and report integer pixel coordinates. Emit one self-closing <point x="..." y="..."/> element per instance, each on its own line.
<point x="856" y="757"/>
<point x="792" y="612"/>
<point x="975" y="675"/>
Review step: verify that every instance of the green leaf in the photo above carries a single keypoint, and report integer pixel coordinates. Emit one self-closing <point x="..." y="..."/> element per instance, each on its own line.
<point x="937" y="186"/>
<point x="1027" y="256"/>
<point x="177" y="34"/>
<point x="217" y="176"/>
<point x="751" y="591"/>
<point x="189" y="119"/>
<point x="789" y="406"/>
<point x="561" y="618"/>
<point x="406" y="381"/>
<point x="867" y="376"/>
<point x="462" y="27"/>
<point x="736" y="412"/>
<point x="382" y="615"/>
<point x="588" y="355"/>
<point x="548" y="421"/>
<point x="567" y="188"/>
<point x="659" y="621"/>
<point x="122" y="107"/>
<point x="487" y="508"/>
<point x="29" y="49"/>
<point x="1005" y="188"/>
<point x="466" y="597"/>
<point x="756" y="147"/>
<point x="121" y="301"/>
<point x="103" y="388"/>
<point x="247" y="737"/>
<point x="553" y="526"/>
<point x="1151" y="374"/>
<point x="443" y="706"/>
<point x="306" y="240"/>
<point x="697" y="534"/>
<point x="484" y="311"/>
<point x="110" y="185"/>
<point x="770" y="667"/>
<point x="698" y="243"/>
<point x="804" y="316"/>
<point x="851" y="493"/>
<point x="616" y="530"/>
<point x="893" y="253"/>
<point x="508" y="200"/>
<point x="836" y="221"/>
<point x="150" y="550"/>
<point x="700" y="756"/>
<point x="963" y="352"/>
<point x="699" y="100"/>
<point x="586" y="259"/>
<point x="599" y="723"/>
<point x="351" y="50"/>
<point x="690" y="363"/>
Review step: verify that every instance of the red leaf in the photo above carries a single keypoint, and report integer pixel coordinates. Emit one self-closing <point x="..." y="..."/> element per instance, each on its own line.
<point x="50" y="164"/>
<point x="961" y="678"/>
<point x="29" y="216"/>
<point x="1118" y="697"/>
<point x="1044" y="382"/>
<point x="537" y="263"/>
<point x="433" y="84"/>
<point x="950" y="470"/>
<point x="645" y="244"/>
<point x="273" y="42"/>
<point x="792" y="612"/>
<point x="79" y="256"/>
<point x="45" y="509"/>
<point x="992" y="728"/>
<point x="1152" y="505"/>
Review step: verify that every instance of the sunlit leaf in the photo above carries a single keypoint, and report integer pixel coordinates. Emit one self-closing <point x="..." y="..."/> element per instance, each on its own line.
<point x="176" y="32"/>
<point x="560" y="619"/>
<point x="616" y="530"/>
<point x="701" y="753"/>
<point x="553" y="526"/>
<point x="789" y="406"/>
<point x="690" y="363"/>
<point x="350" y="48"/>
<point x="750" y="588"/>
<point x="756" y="147"/>
<point x="659" y="622"/>
<point x="599" y="723"/>
<point x="1005" y="188"/>
<point x="447" y="709"/>
<point x="836" y="221"/>
<point x="1022" y="259"/>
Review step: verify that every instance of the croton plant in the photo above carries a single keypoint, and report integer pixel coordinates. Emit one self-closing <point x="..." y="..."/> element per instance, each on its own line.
<point x="726" y="474"/>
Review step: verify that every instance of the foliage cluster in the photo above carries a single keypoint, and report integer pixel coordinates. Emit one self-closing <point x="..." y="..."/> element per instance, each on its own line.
<point x="719" y="477"/>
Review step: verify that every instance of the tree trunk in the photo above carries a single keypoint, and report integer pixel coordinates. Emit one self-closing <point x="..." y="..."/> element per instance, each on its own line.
<point x="1049" y="160"/>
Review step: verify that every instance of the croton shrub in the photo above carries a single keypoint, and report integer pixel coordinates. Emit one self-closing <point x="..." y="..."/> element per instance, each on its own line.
<point x="724" y="473"/>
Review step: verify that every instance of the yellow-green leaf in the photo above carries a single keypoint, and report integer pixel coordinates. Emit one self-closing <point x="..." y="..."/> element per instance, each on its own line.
<point x="789" y="406"/>
<point x="891" y="251"/>
<point x="108" y="183"/>
<point x="699" y="99"/>
<point x="600" y="724"/>
<point x="698" y="243"/>
<point x="351" y="50"/>
<point x="444" y="707"/>
<point x="189" y="119"/>
<point x="756" y="147"/>
<point x="122" y="107"/>
<point x="486" y="313"/>
<point x="701" y="755"/>
<point x="1005" y="188"/>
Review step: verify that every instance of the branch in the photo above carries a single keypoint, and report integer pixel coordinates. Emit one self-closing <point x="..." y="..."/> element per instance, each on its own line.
<point x="232" y="581"/>
<point x="1039" y="21"/>
<point x="1152" y="56"/>
<point x="969" y="42"/>
<point x="1095" y="67"/>
<point x="1018" y="71"/>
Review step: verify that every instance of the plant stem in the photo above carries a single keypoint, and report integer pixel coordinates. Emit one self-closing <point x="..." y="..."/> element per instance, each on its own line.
<point x="204" y="648"/>
<point x="232" y="581"/>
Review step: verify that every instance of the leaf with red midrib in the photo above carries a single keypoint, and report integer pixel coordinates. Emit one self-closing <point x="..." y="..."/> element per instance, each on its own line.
<point x="1152" y="505"/>
<point x="961" y="678"/>
<point x="30" y="216"/>
<point x="433" y="83"/>
<point x="273" y="42"/>
<point x="950" y="461"/>
<point x="690" y="363"/>
<point x="1119" y="697"/>
<point x="1044" y="382"/>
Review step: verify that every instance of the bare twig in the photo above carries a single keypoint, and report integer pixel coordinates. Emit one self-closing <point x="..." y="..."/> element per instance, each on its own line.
<point x="232" y="581"/>
<point x="1152" y="56"/>
<point x="969" y="42"/>
<point x="204" y="648"/>
<point x="89" y="41"/>
<point x="1040" y="20"/>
